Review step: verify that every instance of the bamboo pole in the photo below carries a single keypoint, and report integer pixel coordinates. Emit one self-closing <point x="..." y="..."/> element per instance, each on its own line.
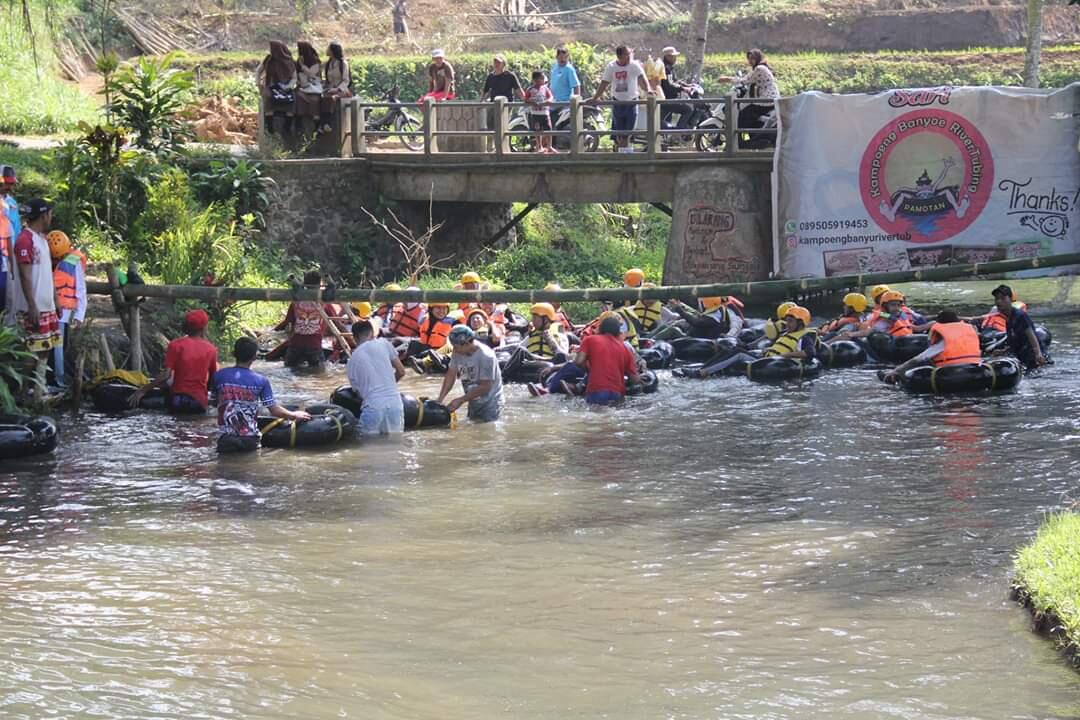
<point x="764" y="289"/>
<point x="135" y="324"/>
<point x="335" y="331"/>
<point x="106" y="353"/>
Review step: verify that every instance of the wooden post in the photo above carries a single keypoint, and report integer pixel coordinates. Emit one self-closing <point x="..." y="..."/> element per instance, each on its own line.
<point x="335" y="331"/>
<point x="430" y="145"/>
<point x="500" y="126"/>
<point x="652" y="124"/>
<point x="135" y="335"/>
<point x="76" y="389"/>
<point x="106" y="354"/>
<point x="577" y="142"/>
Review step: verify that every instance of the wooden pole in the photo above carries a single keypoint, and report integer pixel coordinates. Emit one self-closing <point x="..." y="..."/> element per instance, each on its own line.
<point x="135" y="334"/>
<point x="76" y="390"/>
<point x="106" y="354"/>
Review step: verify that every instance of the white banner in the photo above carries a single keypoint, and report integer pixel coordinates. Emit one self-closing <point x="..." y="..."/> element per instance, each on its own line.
<point x="916" y="178"/>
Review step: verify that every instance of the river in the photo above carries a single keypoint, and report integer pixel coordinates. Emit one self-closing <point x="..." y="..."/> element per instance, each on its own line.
<point x="718" y="550"/>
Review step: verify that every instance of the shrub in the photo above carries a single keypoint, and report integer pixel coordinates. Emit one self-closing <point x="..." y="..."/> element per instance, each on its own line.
<point x="147" y="95"/>
<point x="206" y="249"/>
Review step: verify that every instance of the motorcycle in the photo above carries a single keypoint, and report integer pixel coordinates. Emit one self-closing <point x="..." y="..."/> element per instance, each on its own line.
<point x="522" y="138"/>
<point x="410" y="129"/>
<point x="715" y="141"/>
<point x="699" y="112"/>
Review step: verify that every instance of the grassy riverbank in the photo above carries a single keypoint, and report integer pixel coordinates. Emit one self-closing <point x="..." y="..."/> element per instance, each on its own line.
<point x="1048" y="579"/>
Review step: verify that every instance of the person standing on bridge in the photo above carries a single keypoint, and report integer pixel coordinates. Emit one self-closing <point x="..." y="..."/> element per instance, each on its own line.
<point x="564" y="78"/>
<point x="625" y="76"/>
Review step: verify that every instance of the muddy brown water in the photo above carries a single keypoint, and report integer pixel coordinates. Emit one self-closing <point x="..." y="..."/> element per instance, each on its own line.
<point x="718" y="550"/>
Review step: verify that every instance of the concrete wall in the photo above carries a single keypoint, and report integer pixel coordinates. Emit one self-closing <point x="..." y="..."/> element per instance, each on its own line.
<point x="316" y="213"/>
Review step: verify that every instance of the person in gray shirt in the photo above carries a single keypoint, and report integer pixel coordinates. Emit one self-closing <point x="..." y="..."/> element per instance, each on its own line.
<point x="476" y="365"/>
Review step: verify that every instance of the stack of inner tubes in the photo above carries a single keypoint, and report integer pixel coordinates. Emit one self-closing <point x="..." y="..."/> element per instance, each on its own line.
<point x="419" y="412"/>
<point x="991" y="375"/>
<point x="25" y="435"/>
<point x="329" y="424"/>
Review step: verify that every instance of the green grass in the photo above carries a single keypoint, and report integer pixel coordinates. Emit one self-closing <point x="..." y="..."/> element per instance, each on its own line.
<point x="1048" y="570"/>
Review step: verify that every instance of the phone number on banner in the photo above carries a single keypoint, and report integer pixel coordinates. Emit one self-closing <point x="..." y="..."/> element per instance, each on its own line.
<point x="834" y="225"/>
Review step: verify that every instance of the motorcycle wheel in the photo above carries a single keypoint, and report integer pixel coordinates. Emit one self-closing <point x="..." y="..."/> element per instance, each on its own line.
<point x="710" y="142"/>
<point x="521" y="143"/>
<point x="411" y="136"/>
<point x="590" y="142"/>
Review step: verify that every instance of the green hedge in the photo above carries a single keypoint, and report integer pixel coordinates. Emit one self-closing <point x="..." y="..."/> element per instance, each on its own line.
<point x="1048" y="572"/>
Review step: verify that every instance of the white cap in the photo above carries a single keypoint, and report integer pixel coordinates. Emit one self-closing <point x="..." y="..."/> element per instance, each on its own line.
<point x="437" y="52"/>
<point x="669" y="50"/>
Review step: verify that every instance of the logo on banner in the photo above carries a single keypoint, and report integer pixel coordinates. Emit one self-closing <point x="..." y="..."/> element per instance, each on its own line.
<point x="928" y="173"/>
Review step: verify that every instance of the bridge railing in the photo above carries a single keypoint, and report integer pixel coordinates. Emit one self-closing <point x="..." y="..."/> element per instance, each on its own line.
<point x="501" y="129"/>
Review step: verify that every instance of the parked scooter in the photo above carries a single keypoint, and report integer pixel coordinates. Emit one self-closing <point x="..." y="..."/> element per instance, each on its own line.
<point x="716" y="141"/>
<point x="523" y="139"/>
<point x="398" y="120"/>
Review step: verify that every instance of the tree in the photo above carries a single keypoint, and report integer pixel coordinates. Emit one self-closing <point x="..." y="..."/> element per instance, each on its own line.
<point x="696" y="36"/>
<point x="1033" y="55"/>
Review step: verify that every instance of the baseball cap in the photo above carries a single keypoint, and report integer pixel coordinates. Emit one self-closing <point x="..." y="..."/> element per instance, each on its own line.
<point x="35" y="209"/>
<point x="195" y="320"/>
<point x="500" y="59"/>
<point x="670" y="50"/>
<point x="437" y="52"/>
<point x="461" y="334"/>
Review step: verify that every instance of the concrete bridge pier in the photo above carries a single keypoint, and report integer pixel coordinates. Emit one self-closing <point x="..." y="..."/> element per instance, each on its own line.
<point x="721" y="226"/>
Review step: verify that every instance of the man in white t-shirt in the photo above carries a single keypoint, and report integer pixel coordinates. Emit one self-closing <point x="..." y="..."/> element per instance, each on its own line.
<point x="374" y="370"/>
<point x="625" y="76"/>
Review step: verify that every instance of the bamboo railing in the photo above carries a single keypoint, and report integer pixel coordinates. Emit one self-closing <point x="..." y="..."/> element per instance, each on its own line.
<point x="763" y="289"/>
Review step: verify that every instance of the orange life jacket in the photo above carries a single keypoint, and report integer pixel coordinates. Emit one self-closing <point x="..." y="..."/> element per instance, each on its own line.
<point x="64" y="279"/>
<point x="406" y="322"/>
<point x="384" y="311"/>
<point x="961" y="344"/>
<point x="899" y="327"/>
<point x="841" y="323"/>
<point x="436" y="333"/>
<point x="995" y="320"/>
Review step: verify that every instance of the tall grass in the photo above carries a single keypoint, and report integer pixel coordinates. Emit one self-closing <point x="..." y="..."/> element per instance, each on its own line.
<point x="34" y="100"/>
<point x="1048" y="570"/>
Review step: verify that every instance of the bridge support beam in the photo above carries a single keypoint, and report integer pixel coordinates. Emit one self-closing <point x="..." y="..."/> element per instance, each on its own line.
<point x="720" y="227"/>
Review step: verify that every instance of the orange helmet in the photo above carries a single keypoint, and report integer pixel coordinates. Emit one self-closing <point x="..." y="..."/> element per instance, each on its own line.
<point x="544" y="309"/>
<point x="800" y="313"/>
<point x="59" y="244"/>
<point x="710" y="304"/>
<point x="633" y="277"/>
<point x="891" y="296"/>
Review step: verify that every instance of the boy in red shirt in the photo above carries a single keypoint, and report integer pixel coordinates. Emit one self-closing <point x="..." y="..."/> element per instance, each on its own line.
<point x="307" y="327"/>
<point x="190" y="363"/>
<point x="609" y="361"/>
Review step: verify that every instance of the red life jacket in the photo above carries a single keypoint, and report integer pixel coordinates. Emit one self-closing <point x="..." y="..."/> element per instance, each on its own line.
<point x="436" y="333"/>
<point x="961" y="344"/>
<point x="842" y="323"/>
<point x="406" y="323"/>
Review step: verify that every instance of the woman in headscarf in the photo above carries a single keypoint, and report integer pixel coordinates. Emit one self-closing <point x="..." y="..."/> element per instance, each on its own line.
<point x="337" y="83"/>
<point x="276" y="79"/>
<point x="309" y="81"/>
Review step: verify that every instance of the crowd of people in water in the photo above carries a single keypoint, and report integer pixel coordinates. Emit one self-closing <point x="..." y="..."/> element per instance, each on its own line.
<point x="480" y="344"/>
<point x="302" y="92"/>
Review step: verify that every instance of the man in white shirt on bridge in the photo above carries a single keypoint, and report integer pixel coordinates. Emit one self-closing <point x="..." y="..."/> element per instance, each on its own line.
<point x="625" y="76"/>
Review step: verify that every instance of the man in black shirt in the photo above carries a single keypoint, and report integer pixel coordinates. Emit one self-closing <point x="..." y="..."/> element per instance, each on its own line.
<point x="502" y="83"/>
<point x="1023" y="342"/>
<point x="672" y="87"/>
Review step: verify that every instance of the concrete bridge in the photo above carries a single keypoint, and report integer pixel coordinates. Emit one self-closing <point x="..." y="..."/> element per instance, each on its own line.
<point x="718" y="192"/>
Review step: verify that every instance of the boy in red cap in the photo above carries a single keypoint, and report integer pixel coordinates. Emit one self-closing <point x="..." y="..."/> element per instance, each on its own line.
<point x="190" y="363"/>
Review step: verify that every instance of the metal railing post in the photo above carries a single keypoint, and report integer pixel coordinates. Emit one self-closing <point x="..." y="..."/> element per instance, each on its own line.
<point x="652" y="123"/>
<point x="731" y="138"/>
<point x="500" y="126"/>
<point x="576" y="122"/>
<point x="430" y="144"/>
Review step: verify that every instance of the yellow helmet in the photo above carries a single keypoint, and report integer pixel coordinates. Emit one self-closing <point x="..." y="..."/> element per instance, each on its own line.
<point x="633" y="277"/>
<point x="856" y="301"/>
<point x="553" y="286"/>
<point x="801" y="313"/>
<point x="891" y="296"/>
<point x="544" y="309"/>
<point x="392" y="286"/>
<point x="363" y="310"/>
<point x="783" y="308"/>
<point x="878" y="290"/>
<point x="59" y="244"/>
<point x="711" y="304"/>
<point x="470" y="277"/>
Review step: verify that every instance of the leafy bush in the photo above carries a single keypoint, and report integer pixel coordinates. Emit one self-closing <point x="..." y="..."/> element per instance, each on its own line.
<point x="146" y="96"/>
<point x="169" y="204"/>
<point x="238" y="181"/>
<point x="204" y="249"/>
<point x="16" y="367"/>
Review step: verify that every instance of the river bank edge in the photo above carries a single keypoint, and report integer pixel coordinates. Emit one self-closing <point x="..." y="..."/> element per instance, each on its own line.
<point x="1045" y="583"/>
